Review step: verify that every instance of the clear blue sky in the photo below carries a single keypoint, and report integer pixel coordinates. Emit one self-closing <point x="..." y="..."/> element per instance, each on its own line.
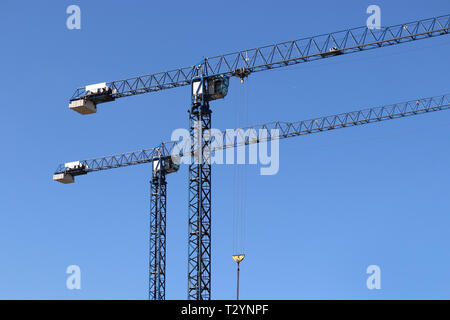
<point x="343" y="200"/>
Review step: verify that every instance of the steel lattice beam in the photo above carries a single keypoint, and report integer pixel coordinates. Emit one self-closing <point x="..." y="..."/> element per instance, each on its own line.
<point x="199" y="206"/>
<point x="157" y="281"/>
<point x="286" y="130"/>
<point x="343" y="120"/>
<point x="277" y="55"/>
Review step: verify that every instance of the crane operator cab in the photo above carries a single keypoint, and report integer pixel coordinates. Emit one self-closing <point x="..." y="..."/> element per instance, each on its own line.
<point x="169" y="164"/>
<point x="217" y="87"/>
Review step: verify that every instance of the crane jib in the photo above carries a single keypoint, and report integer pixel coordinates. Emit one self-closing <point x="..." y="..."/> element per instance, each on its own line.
<point x="283" y="54"/>
<point x="285" y="130"/>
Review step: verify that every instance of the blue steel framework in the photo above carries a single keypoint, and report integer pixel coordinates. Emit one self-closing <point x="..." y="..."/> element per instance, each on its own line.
<point x="199" y="202"/>
<point x="158" y="187"/>
<point x="285" y="130"/>
<point x="241" y="64"/>
<point x="277" y="55"/>
<point x="199" y="232"/>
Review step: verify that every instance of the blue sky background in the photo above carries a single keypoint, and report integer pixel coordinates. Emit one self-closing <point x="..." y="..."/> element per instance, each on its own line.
<point x="342" y="200"/>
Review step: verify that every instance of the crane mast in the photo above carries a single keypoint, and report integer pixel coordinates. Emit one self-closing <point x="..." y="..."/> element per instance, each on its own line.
<point x="209" y="81"/>
<point x="158" y="187"/>
<point x="157" y="281"/>
<point x="199" y="201"/>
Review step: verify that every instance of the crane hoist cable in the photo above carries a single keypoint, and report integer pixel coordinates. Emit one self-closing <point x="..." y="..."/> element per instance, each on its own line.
<point x="240" y="177"/>
<point x="240" y="186"/>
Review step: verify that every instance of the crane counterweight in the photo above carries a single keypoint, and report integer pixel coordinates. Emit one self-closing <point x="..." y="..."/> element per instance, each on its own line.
<point x="83" y="106"/>
<point x="63" y="178"/>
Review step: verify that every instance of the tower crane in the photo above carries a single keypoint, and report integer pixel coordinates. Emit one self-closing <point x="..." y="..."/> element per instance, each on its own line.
<point x="164" y="159"/>
<point x="209" y="81"/>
